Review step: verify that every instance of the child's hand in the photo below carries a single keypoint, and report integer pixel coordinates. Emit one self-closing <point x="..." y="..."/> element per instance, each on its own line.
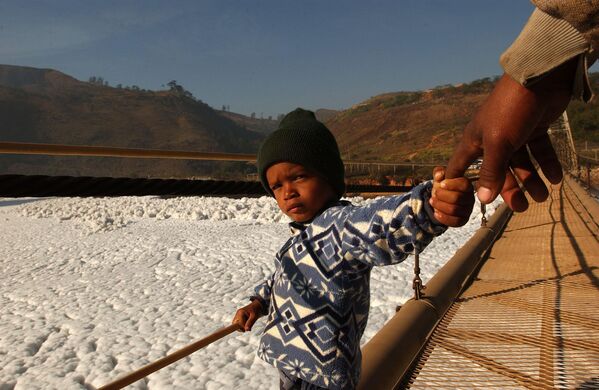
<point x="247" y="315"/>
<point x="452" y="199"/>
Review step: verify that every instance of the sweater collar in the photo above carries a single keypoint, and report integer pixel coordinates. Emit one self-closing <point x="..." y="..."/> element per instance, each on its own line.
<point x="298" y="227"/>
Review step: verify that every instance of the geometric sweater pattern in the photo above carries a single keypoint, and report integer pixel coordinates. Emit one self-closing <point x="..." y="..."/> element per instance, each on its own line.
<point x="318" y="297"/>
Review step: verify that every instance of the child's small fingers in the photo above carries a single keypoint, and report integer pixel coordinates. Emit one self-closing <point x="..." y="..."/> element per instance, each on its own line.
<point x="451" y="209"/>
<point x="250" y="321"/>
<point x="438" y="173"/>
<point x="450" y="220"/>
<point x="458" y="184"/>
<point x="240" y="319"/>
<point x="460" y="198"/>
<point x="436" y="186"/>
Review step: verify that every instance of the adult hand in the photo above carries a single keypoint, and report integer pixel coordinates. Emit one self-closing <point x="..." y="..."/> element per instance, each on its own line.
<point x="512" y="122"/>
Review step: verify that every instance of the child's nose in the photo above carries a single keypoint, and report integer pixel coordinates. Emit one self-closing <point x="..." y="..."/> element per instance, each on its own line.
<point x="289" y="191"/>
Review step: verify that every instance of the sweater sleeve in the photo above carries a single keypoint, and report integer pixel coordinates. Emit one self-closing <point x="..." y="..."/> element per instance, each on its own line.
<point x="544" y="43"/>
<point x="387" y="230"/>
<point x="262" y="293"/>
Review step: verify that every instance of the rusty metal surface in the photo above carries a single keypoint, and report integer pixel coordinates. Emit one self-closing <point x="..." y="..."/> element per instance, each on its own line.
<point x="530" y="320"/>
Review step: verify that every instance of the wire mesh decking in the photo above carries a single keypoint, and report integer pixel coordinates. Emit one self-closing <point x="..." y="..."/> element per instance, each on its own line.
<point x="531" y="318"/>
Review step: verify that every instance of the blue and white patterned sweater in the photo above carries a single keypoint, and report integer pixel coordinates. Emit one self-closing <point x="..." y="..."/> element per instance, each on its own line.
<point x="318" y="298"/>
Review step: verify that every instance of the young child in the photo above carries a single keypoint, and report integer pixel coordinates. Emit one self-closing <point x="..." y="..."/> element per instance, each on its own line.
<point x="317" y="299"/>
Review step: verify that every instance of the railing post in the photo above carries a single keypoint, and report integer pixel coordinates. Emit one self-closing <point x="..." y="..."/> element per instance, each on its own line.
<point x="417" y="282"/>
<point x="483" y="211"/>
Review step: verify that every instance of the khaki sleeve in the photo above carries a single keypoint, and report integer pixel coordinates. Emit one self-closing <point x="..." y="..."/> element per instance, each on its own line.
<point x="545" y="43"/>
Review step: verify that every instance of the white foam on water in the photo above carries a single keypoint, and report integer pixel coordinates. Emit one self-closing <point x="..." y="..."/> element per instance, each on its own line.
<point x="94" y="288"/>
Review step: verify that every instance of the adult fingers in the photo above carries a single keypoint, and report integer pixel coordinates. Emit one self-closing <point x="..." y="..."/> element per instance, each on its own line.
<point x="512" y="194"/>
<point x="250" y="321"/>
<point x="542" y="150"/>
<point x="527" y="174"/>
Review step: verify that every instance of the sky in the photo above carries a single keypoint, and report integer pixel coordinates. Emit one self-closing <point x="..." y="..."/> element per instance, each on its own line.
<point x="265" y="56"/>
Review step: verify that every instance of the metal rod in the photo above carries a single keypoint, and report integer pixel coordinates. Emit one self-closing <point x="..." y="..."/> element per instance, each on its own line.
<point x="99" y="151"/>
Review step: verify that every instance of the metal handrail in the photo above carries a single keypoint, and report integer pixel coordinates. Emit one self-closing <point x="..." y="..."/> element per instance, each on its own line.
<point x="389" y="354"/>
<point x="101" y="151"/>
<point x="104" y="151"/>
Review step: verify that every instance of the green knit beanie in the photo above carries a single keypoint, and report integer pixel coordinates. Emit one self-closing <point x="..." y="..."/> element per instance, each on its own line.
<point x="301" y="139"/>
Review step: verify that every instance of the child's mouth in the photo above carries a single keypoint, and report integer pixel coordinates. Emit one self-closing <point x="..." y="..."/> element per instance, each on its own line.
<point x="294" y="208"/>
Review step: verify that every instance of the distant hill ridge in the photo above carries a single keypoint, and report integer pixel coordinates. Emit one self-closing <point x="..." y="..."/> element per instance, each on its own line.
<point x="47" y="106"/>
<point x="421" y="126"/>
<point x="25" y="77"/>
<point x="426" y="125"/>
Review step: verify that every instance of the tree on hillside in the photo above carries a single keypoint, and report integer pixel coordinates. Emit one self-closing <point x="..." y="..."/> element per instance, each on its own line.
<point x="97" y="80"/>
<point x="179" y="90"/>
<point x="174" y="86"/>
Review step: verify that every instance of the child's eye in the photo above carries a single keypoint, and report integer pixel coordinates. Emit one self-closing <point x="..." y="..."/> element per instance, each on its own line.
<point x="275" y="186"/>
<point x="299" y="177"/>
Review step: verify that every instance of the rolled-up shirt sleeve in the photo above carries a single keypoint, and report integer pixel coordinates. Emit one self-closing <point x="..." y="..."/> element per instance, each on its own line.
<point x="544" y="43"/>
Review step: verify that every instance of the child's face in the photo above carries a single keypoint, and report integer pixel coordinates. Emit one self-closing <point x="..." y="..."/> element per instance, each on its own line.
<point x="300" y="193"/>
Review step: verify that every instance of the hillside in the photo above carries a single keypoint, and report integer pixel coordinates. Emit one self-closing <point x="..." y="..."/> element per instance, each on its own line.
<point x="425" y="125"/>
<point x="408" y="126"/>
<point x="42" y="105"/>
<point x="257" y="125"/>
<point x="267" y="126"/>
<point x="584" y="119"/>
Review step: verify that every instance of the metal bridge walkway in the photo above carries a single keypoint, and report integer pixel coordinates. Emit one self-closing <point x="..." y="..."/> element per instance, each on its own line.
<point x="530" y="319"/>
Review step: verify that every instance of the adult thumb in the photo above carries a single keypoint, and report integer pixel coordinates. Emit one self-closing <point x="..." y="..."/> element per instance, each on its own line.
<point x="492" y="174"/>
<point x="461" y="159"/>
